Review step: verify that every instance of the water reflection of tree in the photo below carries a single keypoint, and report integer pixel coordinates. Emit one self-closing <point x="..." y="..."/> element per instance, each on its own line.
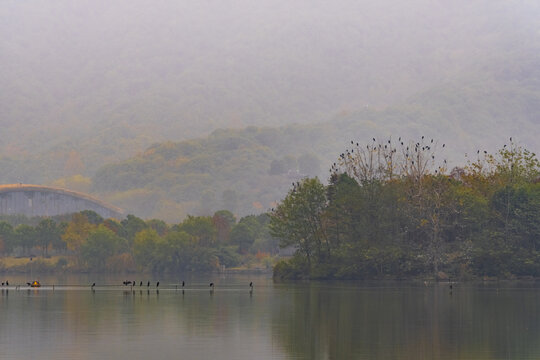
<point x="408" y="323"/>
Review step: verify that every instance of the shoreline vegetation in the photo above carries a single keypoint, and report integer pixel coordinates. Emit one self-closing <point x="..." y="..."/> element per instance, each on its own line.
<point x="391" y="210"/>
<point x="86" y="243"/>
<point x="59" y="264"/>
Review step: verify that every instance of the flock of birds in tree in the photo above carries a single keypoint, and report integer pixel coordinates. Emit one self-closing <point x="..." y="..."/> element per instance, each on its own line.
<point x="415" y="157"/>
<point x="381" y="157"/>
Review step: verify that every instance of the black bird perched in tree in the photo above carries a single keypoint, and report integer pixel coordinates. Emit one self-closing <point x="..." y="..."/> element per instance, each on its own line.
<point x="443" y="145"/>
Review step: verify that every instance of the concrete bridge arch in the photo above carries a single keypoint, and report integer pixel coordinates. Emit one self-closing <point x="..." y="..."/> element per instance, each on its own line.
<point x="38" y="200"/>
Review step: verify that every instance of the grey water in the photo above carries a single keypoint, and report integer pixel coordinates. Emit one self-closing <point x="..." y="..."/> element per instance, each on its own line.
<point x="307" y="320"/>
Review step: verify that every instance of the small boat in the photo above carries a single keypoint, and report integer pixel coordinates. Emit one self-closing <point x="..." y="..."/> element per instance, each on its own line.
<point x="35" y="284"/>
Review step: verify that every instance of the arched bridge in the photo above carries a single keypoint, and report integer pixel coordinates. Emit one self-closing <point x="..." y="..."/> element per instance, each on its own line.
<point x="37" y="200"/>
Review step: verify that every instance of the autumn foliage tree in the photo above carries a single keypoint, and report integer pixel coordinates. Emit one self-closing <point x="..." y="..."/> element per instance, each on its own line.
<point x="393" y="208"/>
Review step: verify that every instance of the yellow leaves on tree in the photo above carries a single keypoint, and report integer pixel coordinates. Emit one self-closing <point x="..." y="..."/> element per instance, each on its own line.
<point x="77" y="232"/>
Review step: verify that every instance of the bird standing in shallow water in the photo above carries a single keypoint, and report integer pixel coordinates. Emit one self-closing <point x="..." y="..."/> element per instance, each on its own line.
<point x="157" y="284"/>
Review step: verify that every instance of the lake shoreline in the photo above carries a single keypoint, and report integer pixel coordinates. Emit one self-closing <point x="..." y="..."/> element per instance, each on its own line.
<point x="257" y="271"/>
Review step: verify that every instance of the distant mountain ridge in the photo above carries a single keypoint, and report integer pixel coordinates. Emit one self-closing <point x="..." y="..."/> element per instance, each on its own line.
<point x="93" y="82"/>
<point x="478" y="113"/>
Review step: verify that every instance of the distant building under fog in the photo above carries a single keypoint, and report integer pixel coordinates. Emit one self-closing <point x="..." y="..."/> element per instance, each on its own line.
<point x="37" y="200"/>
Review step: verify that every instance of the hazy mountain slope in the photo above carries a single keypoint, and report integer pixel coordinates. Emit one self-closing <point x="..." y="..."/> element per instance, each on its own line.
<point x="475" y="111"/>
<point x="89" y="82"/>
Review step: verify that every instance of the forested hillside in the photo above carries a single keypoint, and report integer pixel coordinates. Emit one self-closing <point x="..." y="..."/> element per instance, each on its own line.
<point x="247" y="170"/>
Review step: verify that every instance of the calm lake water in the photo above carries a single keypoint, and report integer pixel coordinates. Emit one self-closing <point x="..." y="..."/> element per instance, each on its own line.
<point x="317" y="320"/>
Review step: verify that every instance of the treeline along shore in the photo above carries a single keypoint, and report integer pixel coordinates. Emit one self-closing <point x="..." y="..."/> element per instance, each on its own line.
<point x="85" y="242"/>
<point x="394" y="209"/>
<point x="391" y="209"/>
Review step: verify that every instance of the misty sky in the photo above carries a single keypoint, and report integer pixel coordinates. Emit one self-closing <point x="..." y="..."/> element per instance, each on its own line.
<point x="138" y="72"/>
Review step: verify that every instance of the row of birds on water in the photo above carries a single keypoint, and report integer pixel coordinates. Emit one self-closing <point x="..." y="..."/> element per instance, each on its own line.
<point x="134" y="283"/>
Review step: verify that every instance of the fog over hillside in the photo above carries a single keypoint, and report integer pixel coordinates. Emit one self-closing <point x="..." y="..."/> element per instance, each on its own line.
<point x="88" y="83"/>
